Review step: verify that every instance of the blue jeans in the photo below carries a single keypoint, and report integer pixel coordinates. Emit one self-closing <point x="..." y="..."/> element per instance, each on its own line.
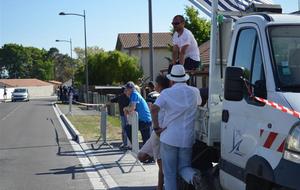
<point x="123" y="125"/>
<point x="145" y="129"/>
<point x="176" y="160"/>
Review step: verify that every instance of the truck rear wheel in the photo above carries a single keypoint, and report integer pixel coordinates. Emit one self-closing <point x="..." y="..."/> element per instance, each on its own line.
<point x="254" y="183"/>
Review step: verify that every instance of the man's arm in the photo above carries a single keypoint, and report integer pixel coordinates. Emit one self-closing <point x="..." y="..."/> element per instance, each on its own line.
<point x="130" y="108"/>
<point x="154" y="114"/>
<point x="175" y="53"/>
<point x="182" y="54"/>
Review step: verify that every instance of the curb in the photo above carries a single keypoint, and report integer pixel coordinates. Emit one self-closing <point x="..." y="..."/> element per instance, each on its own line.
<point x="74" y="132"/>
<point x="107" y="178"/>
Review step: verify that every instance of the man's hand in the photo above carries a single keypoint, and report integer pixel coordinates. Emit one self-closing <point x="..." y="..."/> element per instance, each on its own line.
<point x="159" y="130"/>
<point x="126" y="110"/>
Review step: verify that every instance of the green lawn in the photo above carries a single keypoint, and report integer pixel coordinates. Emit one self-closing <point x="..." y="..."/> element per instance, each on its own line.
<point x="88" y="126"/>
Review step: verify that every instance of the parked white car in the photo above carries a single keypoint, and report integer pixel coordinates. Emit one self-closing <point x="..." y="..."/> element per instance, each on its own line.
<point x="20" y="94"/>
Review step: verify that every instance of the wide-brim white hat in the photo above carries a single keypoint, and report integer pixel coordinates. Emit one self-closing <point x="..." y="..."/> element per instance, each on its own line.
<point x="178" y="74"/>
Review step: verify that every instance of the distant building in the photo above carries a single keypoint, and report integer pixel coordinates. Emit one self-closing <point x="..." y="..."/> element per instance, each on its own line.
<point x="204" y="53"/>
<point x="36" y="88"/>
<point x="137" y="44"/>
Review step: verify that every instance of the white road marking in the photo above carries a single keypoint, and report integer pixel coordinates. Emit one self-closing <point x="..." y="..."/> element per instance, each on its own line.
<point x="11" y="112"/>
<point x="93" y="175"/>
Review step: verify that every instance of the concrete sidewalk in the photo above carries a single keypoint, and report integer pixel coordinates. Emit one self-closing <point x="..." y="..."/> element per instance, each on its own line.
<point x="115" y="174"/>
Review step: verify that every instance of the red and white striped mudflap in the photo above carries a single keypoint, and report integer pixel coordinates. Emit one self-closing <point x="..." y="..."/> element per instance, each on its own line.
<point x="279" y="107"/>
<point x="272" y="140"/>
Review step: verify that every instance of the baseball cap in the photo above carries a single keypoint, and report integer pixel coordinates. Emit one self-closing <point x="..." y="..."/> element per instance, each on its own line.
<point x="130" y="85"/>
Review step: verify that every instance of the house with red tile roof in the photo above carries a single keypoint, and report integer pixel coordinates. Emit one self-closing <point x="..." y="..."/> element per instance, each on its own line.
<point x="137" y="44"/>
<point x="36" y="87"/>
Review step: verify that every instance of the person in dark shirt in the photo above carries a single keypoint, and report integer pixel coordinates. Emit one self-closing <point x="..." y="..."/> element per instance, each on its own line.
<point x="151" y="95"/>
<point x="123" y="101"/>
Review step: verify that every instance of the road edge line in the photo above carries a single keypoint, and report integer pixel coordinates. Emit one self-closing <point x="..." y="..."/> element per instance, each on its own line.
<point x="98" y="166"/>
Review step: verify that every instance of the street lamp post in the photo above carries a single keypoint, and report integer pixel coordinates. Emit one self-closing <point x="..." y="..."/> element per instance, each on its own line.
<point x="85" y="52"/>
<point x="72" y="65"/>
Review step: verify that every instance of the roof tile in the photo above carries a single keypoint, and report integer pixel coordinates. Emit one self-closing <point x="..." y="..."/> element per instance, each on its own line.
<point x="131" y="40"/>
<point x="23" y="82"/>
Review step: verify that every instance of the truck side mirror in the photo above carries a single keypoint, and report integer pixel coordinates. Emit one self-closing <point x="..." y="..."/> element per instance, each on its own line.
<point x="260" y="89"/>
<point x="234" y="85"/>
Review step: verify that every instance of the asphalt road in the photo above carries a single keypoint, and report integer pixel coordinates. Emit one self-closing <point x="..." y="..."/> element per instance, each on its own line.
<point x="35" y="153"/>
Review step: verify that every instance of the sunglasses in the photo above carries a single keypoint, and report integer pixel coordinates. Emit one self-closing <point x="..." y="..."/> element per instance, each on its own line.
<point x="175" y="23"/>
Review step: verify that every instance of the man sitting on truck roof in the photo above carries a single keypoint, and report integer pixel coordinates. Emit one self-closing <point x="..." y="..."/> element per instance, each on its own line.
<point x="176" y="132"/>
<point x="185" y="47"/>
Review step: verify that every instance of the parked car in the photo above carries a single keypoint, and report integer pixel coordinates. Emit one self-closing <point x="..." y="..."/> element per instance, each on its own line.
<point x="20" y="94"/>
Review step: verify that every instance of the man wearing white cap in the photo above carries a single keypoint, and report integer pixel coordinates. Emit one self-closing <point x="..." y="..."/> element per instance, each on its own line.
<point x="180" y="104"/>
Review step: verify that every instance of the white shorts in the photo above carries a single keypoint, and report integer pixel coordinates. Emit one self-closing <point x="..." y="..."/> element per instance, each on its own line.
<point x="151" y="147"/>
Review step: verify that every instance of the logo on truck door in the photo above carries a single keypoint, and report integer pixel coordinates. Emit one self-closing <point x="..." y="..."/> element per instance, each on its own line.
<point x="236" y="142"/>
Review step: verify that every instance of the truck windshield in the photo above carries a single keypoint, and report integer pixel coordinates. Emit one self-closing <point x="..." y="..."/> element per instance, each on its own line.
<point x="285" y="43"/>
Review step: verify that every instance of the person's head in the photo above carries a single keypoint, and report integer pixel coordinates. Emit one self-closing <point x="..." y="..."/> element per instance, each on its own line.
<point x="129" y="88"/>
<point x="123" y="90"/>
<point x="150" y="86"/>
<point x="178" y="23"/>
<point x="162" y="82"/>
<point x="178" y="74"/>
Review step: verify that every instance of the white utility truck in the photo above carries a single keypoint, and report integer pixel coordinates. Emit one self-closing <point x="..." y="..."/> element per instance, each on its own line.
<point x="258" y="139"/>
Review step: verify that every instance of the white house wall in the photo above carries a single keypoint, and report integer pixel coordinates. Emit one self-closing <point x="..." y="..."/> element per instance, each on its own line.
<point x="34" y="91"/>
<point x="40" y="91"/>
<point x="159" y="60"/>
<point x="8" y="93"/>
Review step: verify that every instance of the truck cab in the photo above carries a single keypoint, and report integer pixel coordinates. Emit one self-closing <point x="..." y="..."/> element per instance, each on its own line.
<point x="260" y="144"/>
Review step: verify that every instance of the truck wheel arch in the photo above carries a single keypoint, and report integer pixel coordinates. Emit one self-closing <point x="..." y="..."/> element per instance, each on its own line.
<point x="259" y="167"/>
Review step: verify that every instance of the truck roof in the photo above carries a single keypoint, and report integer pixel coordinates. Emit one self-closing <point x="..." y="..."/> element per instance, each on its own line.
<point x="272" y="18"/>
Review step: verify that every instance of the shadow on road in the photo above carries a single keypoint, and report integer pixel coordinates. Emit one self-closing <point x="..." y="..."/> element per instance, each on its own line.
<point x="135" y="188"/>
<point x="72" y="170"/>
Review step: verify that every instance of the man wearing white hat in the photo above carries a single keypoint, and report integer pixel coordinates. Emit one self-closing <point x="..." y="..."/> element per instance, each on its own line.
<point x="180" y="104"/>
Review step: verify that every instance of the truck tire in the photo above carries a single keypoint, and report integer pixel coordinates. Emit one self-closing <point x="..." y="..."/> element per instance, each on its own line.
<point x="216" y="177"/>
<point x="182" y="185"/>
<point x="255" y="183"/>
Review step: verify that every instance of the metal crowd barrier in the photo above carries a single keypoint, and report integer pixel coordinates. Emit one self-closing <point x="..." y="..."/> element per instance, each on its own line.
<point x="103" y="127"/>
<point x="134" y="122"/>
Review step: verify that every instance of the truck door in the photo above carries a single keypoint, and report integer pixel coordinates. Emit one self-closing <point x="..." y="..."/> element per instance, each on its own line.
<point x="240" y="130"/>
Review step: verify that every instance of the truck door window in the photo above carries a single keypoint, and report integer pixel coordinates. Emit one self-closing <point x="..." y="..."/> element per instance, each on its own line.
<point x="258" y="69"/>
<point x="248" y="55"/>
<point x="285" y="46"/>
<point x="244" y="49"/>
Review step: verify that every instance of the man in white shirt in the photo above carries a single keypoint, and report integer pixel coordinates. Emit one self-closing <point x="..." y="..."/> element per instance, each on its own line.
<point x="177" y="130"/>
<point x="185" y="47"/>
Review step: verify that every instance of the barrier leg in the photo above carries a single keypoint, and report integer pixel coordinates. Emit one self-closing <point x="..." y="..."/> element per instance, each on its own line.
<point x="103" y="125"/>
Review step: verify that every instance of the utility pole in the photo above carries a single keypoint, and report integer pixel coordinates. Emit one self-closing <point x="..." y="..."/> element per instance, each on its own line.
<point x="150" y="40"/>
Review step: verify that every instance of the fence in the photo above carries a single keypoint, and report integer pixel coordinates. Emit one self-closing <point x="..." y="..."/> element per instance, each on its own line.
<point x="96" y="98"/>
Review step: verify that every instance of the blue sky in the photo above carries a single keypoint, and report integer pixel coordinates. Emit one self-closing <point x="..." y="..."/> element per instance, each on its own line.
<point x="37" y="23"/>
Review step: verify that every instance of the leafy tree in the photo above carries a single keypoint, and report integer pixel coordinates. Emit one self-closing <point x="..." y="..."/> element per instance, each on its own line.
<point x="39" y="64"/>
<point x="107" y="68"/>
<point x="15" y="58"/>
<point x="90" y="51"/>
<point x="63" y="66"/>
<point x="200" y="27"/>
<point x="27" y="62"/>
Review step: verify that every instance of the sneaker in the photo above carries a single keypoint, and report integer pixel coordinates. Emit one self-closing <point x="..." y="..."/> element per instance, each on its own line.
<point x="199" y="182"/>
<point x="149" y="161"/>
<point x="125" y="148"/>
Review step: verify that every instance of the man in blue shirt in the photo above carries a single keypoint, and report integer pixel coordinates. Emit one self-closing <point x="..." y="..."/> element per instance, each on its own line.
<point x="138" y="104"/>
